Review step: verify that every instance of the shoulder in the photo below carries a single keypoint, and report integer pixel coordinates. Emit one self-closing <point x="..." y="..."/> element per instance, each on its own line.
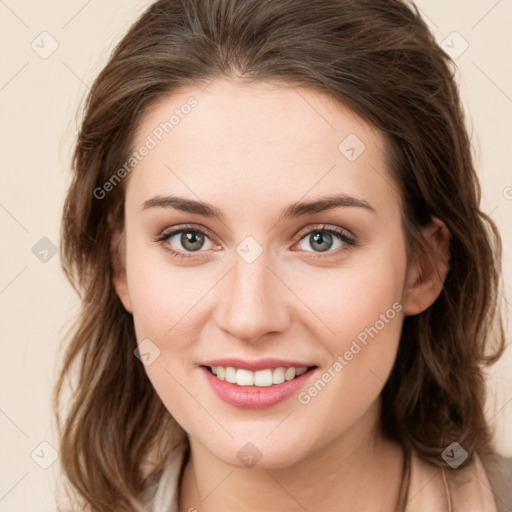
<point x="477" y="486"/>
<point x="499" y="473"/>
<point x="162" y="492"/>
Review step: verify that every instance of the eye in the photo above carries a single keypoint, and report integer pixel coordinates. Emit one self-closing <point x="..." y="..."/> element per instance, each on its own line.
<point x="185" y="240"/>
<point x="331" y="240"/>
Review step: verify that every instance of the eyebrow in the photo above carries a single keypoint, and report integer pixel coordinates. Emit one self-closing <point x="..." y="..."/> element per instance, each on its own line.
<point x="293" y="210"/>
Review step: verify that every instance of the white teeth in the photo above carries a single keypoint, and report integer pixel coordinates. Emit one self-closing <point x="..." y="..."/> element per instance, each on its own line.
<point x="244" y="377"/>
<point x="263" y="378"/>
<point x="278" y="376"/>
<point x="230" y="375"/>
<point x="260" y="378"/>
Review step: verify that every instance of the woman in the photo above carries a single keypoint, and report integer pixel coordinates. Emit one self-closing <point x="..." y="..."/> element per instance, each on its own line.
<point x="287" y="283"/>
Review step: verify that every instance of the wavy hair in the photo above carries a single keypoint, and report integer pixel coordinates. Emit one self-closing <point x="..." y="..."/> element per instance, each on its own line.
<point x="379" y="59"/>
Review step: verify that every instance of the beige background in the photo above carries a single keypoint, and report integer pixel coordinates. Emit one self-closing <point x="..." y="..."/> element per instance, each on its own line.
<point x="39" y="98"/>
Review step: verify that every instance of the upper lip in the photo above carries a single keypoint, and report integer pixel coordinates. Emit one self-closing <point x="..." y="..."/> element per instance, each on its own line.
<point x="260" y="364"/>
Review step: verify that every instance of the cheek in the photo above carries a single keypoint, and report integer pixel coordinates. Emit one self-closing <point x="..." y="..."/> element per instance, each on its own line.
<point x="350" y="299"/>
<point x="163" y="299"/>
<point x="365" y="313"/>
<point x="361" y="319"/>
<point x="161" y="293"/>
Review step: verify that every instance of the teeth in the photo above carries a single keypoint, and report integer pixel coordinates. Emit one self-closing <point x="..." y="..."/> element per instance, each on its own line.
<point x="289" y="374"/>
<point x="230" y="375"/>
<point x="263" y="378"/>
<point x="278" y="376"/>
<point x="244" y="377"/>
<point x="260" y="378"/>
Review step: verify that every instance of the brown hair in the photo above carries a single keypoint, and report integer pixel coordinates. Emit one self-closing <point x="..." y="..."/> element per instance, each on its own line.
<point x="378" y="58"/>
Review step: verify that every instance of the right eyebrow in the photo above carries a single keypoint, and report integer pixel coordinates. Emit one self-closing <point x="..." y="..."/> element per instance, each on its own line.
<point x="185" y="205"/>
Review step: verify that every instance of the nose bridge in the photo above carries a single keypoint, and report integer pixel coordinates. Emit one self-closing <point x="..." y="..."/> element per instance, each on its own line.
<point x="254" y="301"/>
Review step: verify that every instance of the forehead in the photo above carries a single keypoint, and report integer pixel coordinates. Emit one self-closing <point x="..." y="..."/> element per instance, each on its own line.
<point x="260" y="140"/>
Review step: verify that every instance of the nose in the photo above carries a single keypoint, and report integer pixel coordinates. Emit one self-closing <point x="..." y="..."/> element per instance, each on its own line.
<point x="254" y="301"/>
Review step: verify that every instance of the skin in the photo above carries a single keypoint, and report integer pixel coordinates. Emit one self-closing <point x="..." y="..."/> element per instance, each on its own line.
<point x="250" y="151"/>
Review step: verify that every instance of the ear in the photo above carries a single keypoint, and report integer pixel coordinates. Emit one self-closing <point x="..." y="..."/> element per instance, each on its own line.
<point x="426" y="275"/>
<point x="119" y="280"/>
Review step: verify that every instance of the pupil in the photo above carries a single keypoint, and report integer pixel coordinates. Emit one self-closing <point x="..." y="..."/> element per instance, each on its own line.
<point x="195" y="239"/>
<point x="322" y="240"/>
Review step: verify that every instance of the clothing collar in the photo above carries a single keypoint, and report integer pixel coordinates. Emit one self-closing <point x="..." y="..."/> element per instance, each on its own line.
<point x="465" y="489"/>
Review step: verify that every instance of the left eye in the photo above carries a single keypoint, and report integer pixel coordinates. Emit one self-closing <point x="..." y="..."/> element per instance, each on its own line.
<point x="324" y="240"/>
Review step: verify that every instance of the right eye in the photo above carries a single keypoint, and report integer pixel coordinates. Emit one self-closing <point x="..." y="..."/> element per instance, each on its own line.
<point x="185" y="240"/>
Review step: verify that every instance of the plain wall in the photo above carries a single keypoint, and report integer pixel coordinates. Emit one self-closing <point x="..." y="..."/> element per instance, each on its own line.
<point x="39" y="98"/>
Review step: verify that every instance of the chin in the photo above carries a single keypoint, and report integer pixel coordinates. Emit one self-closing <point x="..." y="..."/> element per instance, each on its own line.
<point x="259" y="452"/>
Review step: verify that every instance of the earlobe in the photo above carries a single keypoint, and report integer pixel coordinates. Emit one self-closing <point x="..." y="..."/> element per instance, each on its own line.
<point x="119" y="278"/>
<point x="426" y="275"/>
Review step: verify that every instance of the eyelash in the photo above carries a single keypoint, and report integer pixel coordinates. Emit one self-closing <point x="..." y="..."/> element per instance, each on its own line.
<point x="348" y="240"/>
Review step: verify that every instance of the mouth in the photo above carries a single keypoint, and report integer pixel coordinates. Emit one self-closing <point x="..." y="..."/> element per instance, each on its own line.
<point x="266" y="385"/>
<point x="263" y="378"/>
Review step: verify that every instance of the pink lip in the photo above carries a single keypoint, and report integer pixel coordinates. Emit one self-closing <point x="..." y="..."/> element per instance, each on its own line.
<point x="260" y="364"/>
<point x="253" y="397"/>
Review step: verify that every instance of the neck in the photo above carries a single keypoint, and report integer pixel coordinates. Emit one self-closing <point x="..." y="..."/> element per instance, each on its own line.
<point x="361" y="469"/>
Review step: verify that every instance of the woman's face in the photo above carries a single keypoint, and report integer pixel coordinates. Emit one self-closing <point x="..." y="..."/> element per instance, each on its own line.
<point x="256" y="277"/>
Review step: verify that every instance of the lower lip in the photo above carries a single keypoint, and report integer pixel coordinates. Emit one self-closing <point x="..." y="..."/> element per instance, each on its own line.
<point x="254" y="397"/>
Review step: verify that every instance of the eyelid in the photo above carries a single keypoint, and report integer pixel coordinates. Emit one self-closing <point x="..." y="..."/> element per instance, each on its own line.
<point x="185" y="227"/>
<point x="325" y="227"/>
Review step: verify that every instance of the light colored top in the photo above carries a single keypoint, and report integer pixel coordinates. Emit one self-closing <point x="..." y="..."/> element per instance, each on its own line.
<point x="429" y="489"/>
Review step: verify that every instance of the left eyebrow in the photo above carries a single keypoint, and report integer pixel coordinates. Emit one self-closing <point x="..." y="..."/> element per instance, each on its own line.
<point x="294" y="210"/>
<point x="322" y="204"/>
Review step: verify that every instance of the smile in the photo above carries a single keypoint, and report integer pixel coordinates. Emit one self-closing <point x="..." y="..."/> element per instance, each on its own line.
<point x="261" y="378"/>
<point x="260" y="387"/>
